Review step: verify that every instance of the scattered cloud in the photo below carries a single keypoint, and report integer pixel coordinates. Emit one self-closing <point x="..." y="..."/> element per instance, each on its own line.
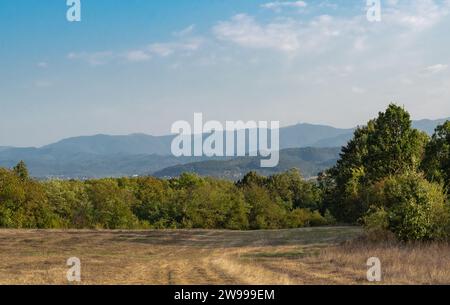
<point x="435" y="69"/>
<point x="288" y="35"/>
<point x="417" y="15"/>
<point x="185" y="32"/>
<point x="279" y="5"/>
<point x="169" y="48"/>
<point x="183" y="45"/>
<point x="137" y="56"/>
<point x="245" y="31"/>
<point x="327" y="4"/>
<point x="94" y="59"/>
<point x="316" y="32"/>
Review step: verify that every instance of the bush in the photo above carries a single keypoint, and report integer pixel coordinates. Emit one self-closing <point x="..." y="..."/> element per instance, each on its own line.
<point x="299" y="218"/>
<point x="23" y="202"/>
<point x="329" y="218"/>
<point x="265" y="213"/>
<point x="376" y="224"/>
<point x="409" y="206"/>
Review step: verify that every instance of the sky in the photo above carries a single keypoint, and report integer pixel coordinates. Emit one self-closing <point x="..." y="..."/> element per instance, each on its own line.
<point x="137" y="66"/>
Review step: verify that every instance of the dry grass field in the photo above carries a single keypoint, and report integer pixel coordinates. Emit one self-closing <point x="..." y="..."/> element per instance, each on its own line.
<point x="301" y="256"/>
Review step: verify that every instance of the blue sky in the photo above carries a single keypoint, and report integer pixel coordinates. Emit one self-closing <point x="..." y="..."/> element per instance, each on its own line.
<point x="137" y="66"/>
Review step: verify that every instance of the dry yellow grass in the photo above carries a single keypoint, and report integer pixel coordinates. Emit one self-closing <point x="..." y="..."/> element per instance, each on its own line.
<point x="416" y="263"/>
<point x="302" y="256"/>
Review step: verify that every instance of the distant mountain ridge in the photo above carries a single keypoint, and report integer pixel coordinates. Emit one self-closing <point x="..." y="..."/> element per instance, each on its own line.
<point x="134" y="144"/>
<point x="428" y="126"/>
<point x="310" y="161"/>
<point x="300" y="135"/>
<point x="141" y="154"/>
<point x="2" y="148"/>
<point x="309" y="135"/>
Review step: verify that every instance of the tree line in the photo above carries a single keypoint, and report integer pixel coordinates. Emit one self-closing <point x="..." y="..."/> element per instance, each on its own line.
<point x="390" y="177"/>
<point x="190" y="201"/>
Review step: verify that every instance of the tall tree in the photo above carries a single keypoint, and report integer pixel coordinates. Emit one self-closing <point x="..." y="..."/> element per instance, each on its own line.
<point x="393" y="147"/>
<point x="387" y="146"/>
<point x="341" y="184"/>
<point x="21" y="170"/>
<point x="436" y="163"/>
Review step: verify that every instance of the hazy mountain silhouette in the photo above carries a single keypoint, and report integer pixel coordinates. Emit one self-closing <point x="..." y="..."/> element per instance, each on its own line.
<point x="309" y="160"/>
<point x="428" y="125"/>
<point x="140" y="154"/>
<point x="105" y="144"/>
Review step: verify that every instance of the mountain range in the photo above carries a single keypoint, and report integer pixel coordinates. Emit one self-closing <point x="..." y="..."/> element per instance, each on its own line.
<point x="140" y="154"/>
<point x="310" y="161"/>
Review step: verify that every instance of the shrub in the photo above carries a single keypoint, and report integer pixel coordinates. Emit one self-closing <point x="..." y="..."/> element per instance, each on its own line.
<point x="329" y="218"/>
<point x="112" y="205"/>
<point x="265" y="213"/>
<point x="409" y="206"/>
<point x="299" y="218"/>
<point x="376" y="224"/>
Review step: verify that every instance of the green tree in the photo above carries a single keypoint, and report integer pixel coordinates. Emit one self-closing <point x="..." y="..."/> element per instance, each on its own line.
<point x="252" y="178"/>
<point x="21" y="170"/>
<point x="216" y="204"/>
<point x="292" y="189"/>
<point x="111" y="204"/>
<point x="265" y="213"/>
<point x="393" y="146"/>
<point x="12" y="197"/>
<point x="409" y="206"/>
<point x="387" y="146"/>
<point x="342" y="184"/>
<point x="23" y="203"/>
<point x="436" y="163"/>
<point x="151" y="206"/>
<point x="70" y="202"/>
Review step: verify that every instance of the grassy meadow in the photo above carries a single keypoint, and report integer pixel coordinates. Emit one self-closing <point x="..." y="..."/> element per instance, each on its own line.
<point x="325" y="255"/>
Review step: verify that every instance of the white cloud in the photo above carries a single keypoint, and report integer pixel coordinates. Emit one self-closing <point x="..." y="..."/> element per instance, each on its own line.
<point x="94" y="59"/>
<point x="245" y="31"/>
<point x="417" y="15"/>
<point x="169" y="48"/>
<point x="182" y="47"/>
<point x="329" y="5"/>
<point x="137" y="56"/>
<point x="400" y="23"/>
<point x="185" y="32"/>
<point x="435" y="69"/>
<point x="288" y="35"/>
<point x="279" y="5"/>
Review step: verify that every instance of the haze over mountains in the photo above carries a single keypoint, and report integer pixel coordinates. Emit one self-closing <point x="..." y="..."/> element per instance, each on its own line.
<point x="139" y="154"/>
<point x="310" y="160"/>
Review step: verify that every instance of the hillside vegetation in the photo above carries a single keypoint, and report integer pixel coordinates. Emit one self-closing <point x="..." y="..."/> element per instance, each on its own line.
<point x="190" y="201"/>
<point x="390" y="177"/>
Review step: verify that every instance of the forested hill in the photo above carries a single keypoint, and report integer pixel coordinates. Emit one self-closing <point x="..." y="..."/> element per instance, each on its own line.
<point x="139" y="154"/>
<point x="309" y="160"/>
